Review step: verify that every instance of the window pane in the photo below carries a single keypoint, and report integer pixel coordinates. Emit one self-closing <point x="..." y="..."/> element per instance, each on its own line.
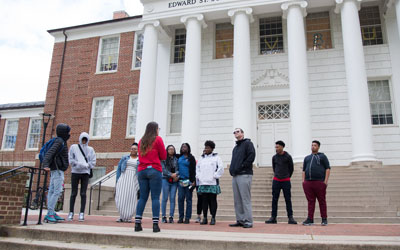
<point x="138" y="50"/>
<point x="34" y="133"/>
<point x="273" y="111"/>
<point x="109" y="54"/>
<point x="318" y="31"/>
<point x="176" y="113"/>
<point x="271" y="35"/>
<point x="371" y="29"/>
<point x="10" y="135"/>
<point x="132" y="115"/>
<point x="380" y="102"/>
<point x="224" y="40"/>
<point x="102" y="117"/>
<point x="179" y="45"/>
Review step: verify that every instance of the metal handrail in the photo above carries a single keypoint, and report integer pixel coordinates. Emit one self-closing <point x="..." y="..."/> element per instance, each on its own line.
<point x="31" y="170"/>
<point x="98" y="183"/>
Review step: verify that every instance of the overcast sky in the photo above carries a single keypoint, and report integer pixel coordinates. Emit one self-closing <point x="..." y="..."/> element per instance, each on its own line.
<point x="26" y="47"/>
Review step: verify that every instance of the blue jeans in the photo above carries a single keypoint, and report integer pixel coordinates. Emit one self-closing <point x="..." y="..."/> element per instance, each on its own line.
<point x="55" y="189"/>
<point x="168" y="190"/>
<point x="150" y="180"/>
<point x="184" y="193"/>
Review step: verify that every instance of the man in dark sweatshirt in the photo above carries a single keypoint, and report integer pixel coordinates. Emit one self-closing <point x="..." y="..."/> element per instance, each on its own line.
<point x="241" y="170"/>
<point x="316" y="172"/>
<point x="282" y="165"/>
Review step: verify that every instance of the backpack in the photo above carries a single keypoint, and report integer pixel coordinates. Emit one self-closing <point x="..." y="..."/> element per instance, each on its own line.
<point x="46" y="148"/>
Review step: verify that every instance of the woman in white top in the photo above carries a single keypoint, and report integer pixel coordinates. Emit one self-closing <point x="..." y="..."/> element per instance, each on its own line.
<point x="208" y="171"/>
<point x="127" y="185"/>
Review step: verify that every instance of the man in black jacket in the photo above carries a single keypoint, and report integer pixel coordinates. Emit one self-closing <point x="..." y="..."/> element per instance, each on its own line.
<point x="56" y="161"/>
<point x="241" y="169"/>
<point x="282" y="165"/>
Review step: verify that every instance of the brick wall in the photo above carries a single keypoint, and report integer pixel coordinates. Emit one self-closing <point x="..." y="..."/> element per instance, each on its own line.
<point x="12" y="198"/>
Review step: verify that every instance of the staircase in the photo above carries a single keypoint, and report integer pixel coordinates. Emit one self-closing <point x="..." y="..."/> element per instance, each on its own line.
<point x="367" y="195"/>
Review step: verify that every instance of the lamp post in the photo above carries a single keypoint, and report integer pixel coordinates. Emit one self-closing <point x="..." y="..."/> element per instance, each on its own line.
<point x="46" y="117"/>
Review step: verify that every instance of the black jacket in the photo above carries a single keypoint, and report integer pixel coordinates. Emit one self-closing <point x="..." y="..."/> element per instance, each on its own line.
<point x="58" y="153"/>
<point x="315" y="166"/>
<point x="282" y="165"/>
<point x="243" y="156"/>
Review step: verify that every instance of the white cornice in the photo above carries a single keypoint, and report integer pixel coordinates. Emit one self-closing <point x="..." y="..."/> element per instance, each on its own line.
<point x="271" y="78"/>
<point x="21" y="113"/>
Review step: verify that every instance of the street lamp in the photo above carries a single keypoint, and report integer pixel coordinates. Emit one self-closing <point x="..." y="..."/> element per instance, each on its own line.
<point x="46" y="117"/>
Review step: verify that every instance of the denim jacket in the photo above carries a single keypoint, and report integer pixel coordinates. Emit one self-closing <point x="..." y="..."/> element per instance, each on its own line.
<point x="122" y="166"/>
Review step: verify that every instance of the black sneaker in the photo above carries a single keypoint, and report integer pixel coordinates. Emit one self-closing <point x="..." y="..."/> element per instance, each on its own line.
<point x="212" y="221"/>
<point x="324" y="222"/>
<point x="180" y="221"/>
<point x="164" y="219"/>
<point x="186" y="221"/>
<point x="237" y="224"/>
<point x="156" y="229"/>
<point x="292" y="221"/>
<point x="204" y="222"/>
<point x="271" y="220"/>
<point x="171" y="220"/>
<point x="138" y="227"/>
<point x="308" y="222"/>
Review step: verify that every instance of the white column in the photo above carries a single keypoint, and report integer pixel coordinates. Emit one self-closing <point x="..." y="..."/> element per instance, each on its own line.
<point x="396" y="4"/>
<point x="295" y="12"/>
<point x="191" y="82"/>
<point x="356" y="77"/>
<point x="242" y="96"/>
<point x="145" y="113"/>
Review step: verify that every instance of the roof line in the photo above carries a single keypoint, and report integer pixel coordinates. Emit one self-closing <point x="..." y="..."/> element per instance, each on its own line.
<point x="93" y="24"/>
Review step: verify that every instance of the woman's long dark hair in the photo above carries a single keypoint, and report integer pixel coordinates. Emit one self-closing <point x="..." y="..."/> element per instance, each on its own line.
<point x="189" y="150"/>
<point x="169" y="160"/>
<point x="148" y="138"/>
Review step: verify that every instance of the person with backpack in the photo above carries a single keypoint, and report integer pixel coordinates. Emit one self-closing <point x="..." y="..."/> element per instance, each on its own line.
<point x="187" y="182"/>
<point x="208" y="171"/>
<point x="55" y="160"/>
<point x="82" y="159"/>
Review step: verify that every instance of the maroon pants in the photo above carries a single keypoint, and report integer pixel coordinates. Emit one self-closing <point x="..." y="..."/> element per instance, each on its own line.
<point x="315" y="190"/>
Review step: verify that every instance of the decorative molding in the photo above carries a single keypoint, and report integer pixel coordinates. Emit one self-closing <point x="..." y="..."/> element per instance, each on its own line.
<point x="248" y="11"/>
<point x="198" y="17"/>
<point x="302" y="4"/>
<point x="155" y="23"/>
<point x="339" y="4"/>
<point x="271" y="78"/>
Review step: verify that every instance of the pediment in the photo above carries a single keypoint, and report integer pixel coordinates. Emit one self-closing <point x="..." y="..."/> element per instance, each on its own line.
<point x="271" y="78"/>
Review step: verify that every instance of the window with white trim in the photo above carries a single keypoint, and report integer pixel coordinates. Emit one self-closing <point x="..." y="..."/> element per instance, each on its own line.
<point x="101" y="120"/>
<point x="224" y="40"/>
<point x="380" y="102"/>
<point x="276" y="111"/>
<point x="10" y="134"/>
<point x="318" y="31"/>
<point x="33" y="139"/>
<point x="132" y="115"/>
<point x="175" y="113"/>
<point x="179" y="45"/>
<point x="271" y="35"/>
<point x="371" y="27"/>
<point x="108" y="54"/>
<point x="138" y="50"/>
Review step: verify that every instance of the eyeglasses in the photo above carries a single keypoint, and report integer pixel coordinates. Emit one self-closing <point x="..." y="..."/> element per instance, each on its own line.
<point x="237" y="131"/>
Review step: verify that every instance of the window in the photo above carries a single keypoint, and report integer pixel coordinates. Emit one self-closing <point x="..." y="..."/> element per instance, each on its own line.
<point x="273" y="111"/>
<point x="101" y="121"/>
<point x="380" y="102"/>
<point x="34" y="133"/>
<point x="108" y="55"/>
<point x="175" y="114"/>
<point x="271" y="35"/>
<point x="10" y="134"/>
<point x="318" y="31"/>
<point x="223" y="40"/>
<point x="371" y="29"/>
<point x="179" y="45"/>
<point x="138" y="50"/>
<point x="132" y="114"/>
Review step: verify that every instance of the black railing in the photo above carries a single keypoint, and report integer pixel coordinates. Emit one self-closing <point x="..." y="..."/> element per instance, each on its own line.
<point x="98" y="183"/>
<point x="32" y="171"/>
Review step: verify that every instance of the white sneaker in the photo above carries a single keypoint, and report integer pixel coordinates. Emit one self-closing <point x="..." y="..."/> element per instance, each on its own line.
<point x="70" y="216"/>
<point x="81" y="217"/>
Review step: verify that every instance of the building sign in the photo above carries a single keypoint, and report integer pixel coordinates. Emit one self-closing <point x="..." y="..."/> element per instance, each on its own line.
<point x="181" y="3"/>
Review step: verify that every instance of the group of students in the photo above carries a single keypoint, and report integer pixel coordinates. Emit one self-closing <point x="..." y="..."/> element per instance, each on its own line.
<point x="151" y="168"/>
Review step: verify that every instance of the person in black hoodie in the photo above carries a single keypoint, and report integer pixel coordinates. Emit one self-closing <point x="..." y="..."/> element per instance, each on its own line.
<point x="282" y="165"/>
<point x="316" y="171"/>
<point x="241" y="169"/>
<point x="56" y="161"/>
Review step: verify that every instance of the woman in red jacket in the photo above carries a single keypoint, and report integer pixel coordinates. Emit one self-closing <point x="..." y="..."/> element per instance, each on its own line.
<point x="151" y="151"/>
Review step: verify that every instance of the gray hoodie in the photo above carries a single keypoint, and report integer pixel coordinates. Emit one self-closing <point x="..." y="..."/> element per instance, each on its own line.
<point x="77" y="160"/>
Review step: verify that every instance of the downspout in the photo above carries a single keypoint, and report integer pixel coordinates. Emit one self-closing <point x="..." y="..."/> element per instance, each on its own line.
<point x="59" y="80"/>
